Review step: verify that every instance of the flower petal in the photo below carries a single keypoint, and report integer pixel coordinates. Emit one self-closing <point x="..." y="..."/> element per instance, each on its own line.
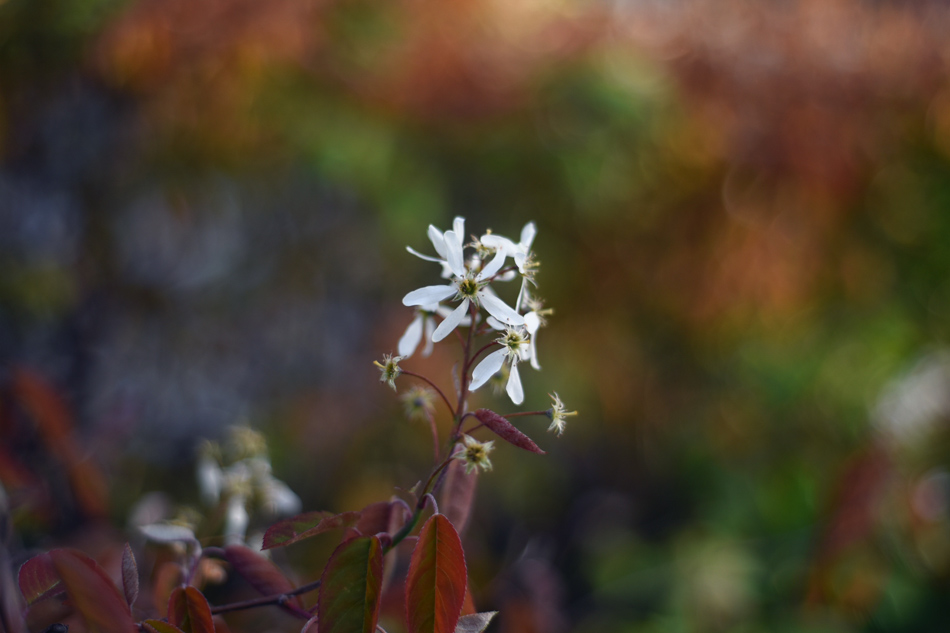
<point x="515" y="392"/>
<point x="492" y="267"/>
<point x="438" y="240"/>
<point x="410" y="340"/>
<point x="489" y="366"/>
<point x="499" y="243"/>
<point x="429" y="294"/>
<point x="453" y="254"/>
<point x="430" y="328"/>
<point x="421" y="256"/>
<point x="450" y="322"/>
<point x="533" y="353"/>
<point x="527" y="235"/>
<point x="458" y="226"/>
<point x="499" y="309"/>
<point x="532" y="322"/>
<point x="495" y="324"/>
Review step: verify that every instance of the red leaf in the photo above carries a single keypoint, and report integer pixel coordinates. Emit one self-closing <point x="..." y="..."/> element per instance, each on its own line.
<point x="351" y="587"/>
<point x="374" y="518"/>
<point x="130" y="575"/>
<point x="435" y="587"/>
<point x="468" y="604"/>
<point x="92" y="591"/>
<point x="263" y="575"/>
<point x="160" y="626"/>
<point x="474" y="623"/>
<point x="188" y="610"/>
<point x="506" y="430"/>
<point x="38" y="579"/>
<point x="458" y="494"/>
<point x="306" y="525"/>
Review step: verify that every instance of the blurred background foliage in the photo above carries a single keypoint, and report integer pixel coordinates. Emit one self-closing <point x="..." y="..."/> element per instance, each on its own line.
<point x="743" y="229"/>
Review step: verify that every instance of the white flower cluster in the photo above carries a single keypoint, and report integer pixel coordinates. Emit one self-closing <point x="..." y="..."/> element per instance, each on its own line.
<point x="470" y="286"/>
<point x="246" y="481"/>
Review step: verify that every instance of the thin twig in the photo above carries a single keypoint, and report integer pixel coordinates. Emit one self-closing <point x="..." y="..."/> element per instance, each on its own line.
<point x="279" y="599"/>
<point x="433" y="385"/>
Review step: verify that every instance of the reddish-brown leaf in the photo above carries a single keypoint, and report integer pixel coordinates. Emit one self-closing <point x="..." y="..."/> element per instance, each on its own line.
<point x="506" y="430"/>
<point x="374" y="518"/>
<point x="189" y="610"/>
<point x="130" y="575"/>
<point x="351" y="587"/>
<point x="458" y="494"/>
<point x="92" y="592"/>
<point x="435" y="586"/>
<point x="262" y="574"/>
<point x="38" y="579"/>
<point x="168" y="576"/>
<point x="468" y="604"/>
<point x="306" y="525"/>
<point x="160" y="626"/>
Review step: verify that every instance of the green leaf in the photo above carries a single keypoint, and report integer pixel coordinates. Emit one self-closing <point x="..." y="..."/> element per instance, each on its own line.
<point x="38" y="579"/>
<point x="474" y="623"/>
<point x="160" y="626"/>
<point x="506" y="430"/>
<point x="435" y="587"/>
<point x="351" y="586"/>
<point x="305" y="525"/>
<point x="93" y="593"/>
<point x="130" y="575"/>
<point x="189" y="610"/>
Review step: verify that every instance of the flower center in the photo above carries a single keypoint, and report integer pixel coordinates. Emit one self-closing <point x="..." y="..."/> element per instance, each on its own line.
<point x="513" y="340"/>
<point x="468" y="287"/>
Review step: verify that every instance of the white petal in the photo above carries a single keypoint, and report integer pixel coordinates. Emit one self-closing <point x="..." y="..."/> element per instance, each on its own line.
<point x="533" y="353"/>
<point x="532" y="322"/>
<point x="520" y="258"/>
<point x="450" y="322"/>
<point x="458" y="225"/>
<point x="527" y="235"/>
<point x="515" y="392"/>
<point x="495" y="324"/>
<point x="429" y="294"/>
<point x="493" y="266"/>
<point x="489" y="366"/>
<point x="421" y="256"/>
<point x="410" y="340"/>
<point x="438" y="240"/>
<point x="522" y="294"/>
<point x="453" y="254"/>
<point x="499" y="309"/>
<point x="498" y="242"/>
<point x="430" y="328"/>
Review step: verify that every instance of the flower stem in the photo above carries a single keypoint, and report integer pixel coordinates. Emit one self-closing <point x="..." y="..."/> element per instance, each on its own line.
<point x="434" y="386"/>
<point x="279" y="599"/>
<point x="522" y="413"/>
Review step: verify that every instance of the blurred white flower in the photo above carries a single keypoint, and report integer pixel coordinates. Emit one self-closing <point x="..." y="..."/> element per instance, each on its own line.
<point x="557" y="413"/>
<point x="475" y="454"/>
<point x="236" y="520"/>
<point x="423" y="326"/>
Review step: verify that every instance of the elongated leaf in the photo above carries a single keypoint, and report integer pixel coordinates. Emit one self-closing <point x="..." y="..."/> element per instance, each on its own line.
<point x="435" y="587"/>
<point x="188" y="610"/>
<point x="130" y="575"/>
<point x="468" y="604"/>
<point x="160" y="626"/>
<point x="506" y="430"/>
<point x="475" y="623"/>
<point x="38" y="579"/>
<point x="305" y="525"/>
<point x="92" y="592"/>
<point x="374" y="519"/>
<point x="351" y="587"/>
<point x="458" y="494"/>
<point x="261" y="573"/>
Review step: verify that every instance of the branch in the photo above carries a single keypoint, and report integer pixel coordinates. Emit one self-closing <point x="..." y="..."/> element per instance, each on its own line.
<point x="279" y="599"/>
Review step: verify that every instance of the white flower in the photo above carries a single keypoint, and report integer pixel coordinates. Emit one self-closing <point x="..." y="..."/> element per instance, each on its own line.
<point x="424" y="321"/>
<point x="235" y="520"/>
<point x="514" y="348"/>
<point x="557" y="413"/>
<point x="467" y="286"/>
<point x="520" y="252"/>
<point x="438" y="239"/>
<point x="475" y="454"/>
